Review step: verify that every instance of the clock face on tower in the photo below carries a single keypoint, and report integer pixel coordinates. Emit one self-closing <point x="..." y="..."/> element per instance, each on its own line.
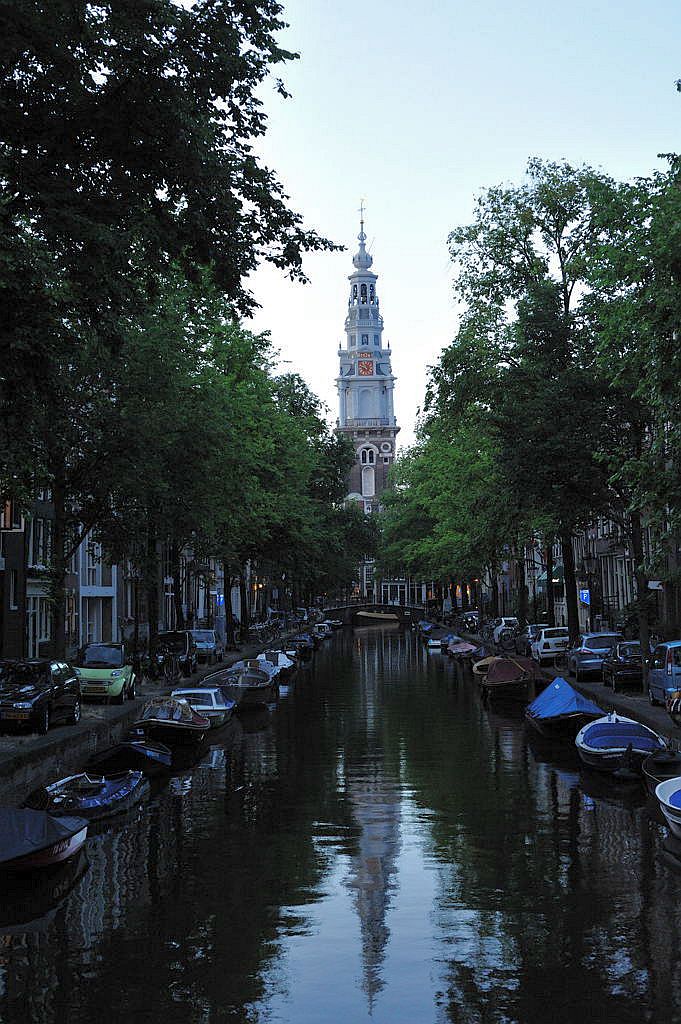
<point x="365" y="367"/>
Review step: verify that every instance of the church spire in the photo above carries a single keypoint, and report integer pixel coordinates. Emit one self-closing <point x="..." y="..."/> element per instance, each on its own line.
<point x="362" y="260"/>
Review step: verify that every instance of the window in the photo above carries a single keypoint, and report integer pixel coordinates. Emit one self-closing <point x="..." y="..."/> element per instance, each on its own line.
<point x="91" y="561"/>
<point x="386" y="460"/>
<point x="363" y="294"/>
<point x="371" y="293"/>
<point x="39" y="542"/>
<point x="368" y="482"/>
<point x="13" y="589"/>
<point x="365" y="339"/>
<point x="363" y="456"/>
<point x="376" y="339"/>
<point x="371" y="455"/>
<point x="353" y="340"/>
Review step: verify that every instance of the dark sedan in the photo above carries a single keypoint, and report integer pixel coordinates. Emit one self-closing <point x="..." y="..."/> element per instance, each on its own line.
<point x="37" y="692"/>
<point x="623" y="664"/>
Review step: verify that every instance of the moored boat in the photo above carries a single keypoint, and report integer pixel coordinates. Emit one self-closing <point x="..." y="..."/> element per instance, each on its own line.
<point x="511" y="678"/>
<point x="280" y="660"/>
<point x="660" y="766"/>
<point x="461" y="649"/>
<point x="132" y="755"/>
<point x="35" y="839"/>
<point x="561" y="711"/>
<point x="172" y="721"/>
<point x="208" y="701"/>
<point x="250" y="688"/>
<point x="617" y="745"/>
<point x="668" y="794"/>
<point x="90" y="796"/>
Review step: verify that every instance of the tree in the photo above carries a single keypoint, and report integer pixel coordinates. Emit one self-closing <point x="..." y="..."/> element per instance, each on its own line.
<point x="127" y="132"/>
<point x="532" y="243"/>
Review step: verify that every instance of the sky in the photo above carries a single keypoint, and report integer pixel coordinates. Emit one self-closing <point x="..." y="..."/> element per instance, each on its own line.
<point x="417" y="108"/>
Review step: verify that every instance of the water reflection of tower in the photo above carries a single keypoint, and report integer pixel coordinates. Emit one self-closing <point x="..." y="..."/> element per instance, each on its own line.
<point x="375" y="798"/>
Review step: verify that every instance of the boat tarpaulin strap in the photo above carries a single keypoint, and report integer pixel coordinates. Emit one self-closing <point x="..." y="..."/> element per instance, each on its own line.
<point x="559" y="698"/>
<point x="25" y="831"/>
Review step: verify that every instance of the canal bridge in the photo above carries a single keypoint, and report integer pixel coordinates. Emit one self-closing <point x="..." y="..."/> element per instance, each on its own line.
<point x="406" y="614"/>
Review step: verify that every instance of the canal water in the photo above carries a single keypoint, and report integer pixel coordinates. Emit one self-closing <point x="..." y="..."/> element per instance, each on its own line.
<point x="383" y="847"/>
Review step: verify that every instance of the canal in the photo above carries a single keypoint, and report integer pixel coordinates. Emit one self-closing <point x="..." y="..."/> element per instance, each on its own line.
<point x="383" y="847"/>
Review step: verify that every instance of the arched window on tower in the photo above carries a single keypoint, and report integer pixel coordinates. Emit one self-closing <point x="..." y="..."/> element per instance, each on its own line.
<point x="363" y="293"/>
<point x="354" y="293"/>
<point x="363" y="456"/>
<point x="371" y="456"/>
<point x="371" y="294"/>
<point x="368" y="482"/>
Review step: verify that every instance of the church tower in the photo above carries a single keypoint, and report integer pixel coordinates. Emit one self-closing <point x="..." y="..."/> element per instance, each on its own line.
<point x="365" y="385"/>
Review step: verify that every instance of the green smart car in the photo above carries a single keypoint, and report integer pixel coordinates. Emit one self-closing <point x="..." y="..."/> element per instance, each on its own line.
<point x="104" y="671"/>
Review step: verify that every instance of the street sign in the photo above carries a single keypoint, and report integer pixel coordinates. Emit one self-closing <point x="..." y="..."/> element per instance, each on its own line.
<point x="585" y="596"/>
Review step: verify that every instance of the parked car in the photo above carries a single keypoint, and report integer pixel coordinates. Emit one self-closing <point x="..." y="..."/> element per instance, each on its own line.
<point x="588" y="653"/>
<point x="36" y="692"/>
<point x="180" y="643"/>
<point x="523" y="640"/>
<point x="549" y="642"/>
<point x="105" y="671"/>
<point x="508" y="622"/>
<point x="209" y="646"/>
<point x="664" y="672"/>
<point x="623" y="664"/>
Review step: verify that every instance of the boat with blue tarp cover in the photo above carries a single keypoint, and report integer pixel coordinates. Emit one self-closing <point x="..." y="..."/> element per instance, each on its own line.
<point x="90" y="796"/>
<point x="617" y="745"/>
<point x="561" y="711"/>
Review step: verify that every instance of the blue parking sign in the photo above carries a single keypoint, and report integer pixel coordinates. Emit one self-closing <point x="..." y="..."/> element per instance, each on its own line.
<point x="585" y="596"/>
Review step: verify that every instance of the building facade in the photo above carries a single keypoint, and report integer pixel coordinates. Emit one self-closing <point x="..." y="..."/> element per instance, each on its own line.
<point x="365" y="385"/>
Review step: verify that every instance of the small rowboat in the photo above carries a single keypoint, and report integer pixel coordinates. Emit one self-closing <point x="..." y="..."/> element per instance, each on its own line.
<point x="617" y="745"/>
<point x="172" y="721"/>
<point x="663" y="765"/>
<point x="250" y="688"/>
<point x="133" y="755"/>
<point x="668" y="794"/>
<point x="461" y="649"/>
<point x="35" y="839"/>
<point x="509" y="677"/>
<point x="90" y="796"/>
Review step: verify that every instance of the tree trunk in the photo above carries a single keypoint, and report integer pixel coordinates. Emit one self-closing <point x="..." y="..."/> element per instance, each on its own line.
<point x="641" y="591"/>
<point x="245" y="612"/>
<point x="177" y="586"/>
<point x="229" y="612"/>
<point x="570" y="583"/>
<point x="151" y="585"/>
<point x="464" y="596"/>
<point x="58" y="566"/>
<point x="550" y="605"/>
<point x="136" y="630"/>
<point x="523" y="597"/>
<point x="494" y="595"/>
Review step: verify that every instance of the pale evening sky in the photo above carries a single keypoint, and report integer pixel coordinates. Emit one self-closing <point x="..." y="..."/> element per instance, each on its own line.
<point x="416" y="108"/>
